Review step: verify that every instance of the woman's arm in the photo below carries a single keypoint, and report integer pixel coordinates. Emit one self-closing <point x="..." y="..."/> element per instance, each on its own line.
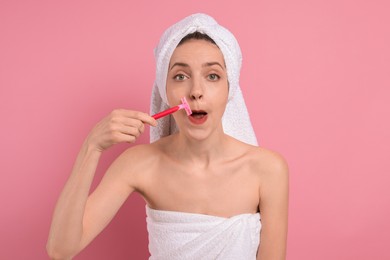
<point x="274" y="209"/>
<point x="78" y="218"/>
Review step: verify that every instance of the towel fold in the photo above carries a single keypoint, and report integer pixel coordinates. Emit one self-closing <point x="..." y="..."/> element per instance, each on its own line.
<point x="235" y="120"/>
<point x="178" y="235"/>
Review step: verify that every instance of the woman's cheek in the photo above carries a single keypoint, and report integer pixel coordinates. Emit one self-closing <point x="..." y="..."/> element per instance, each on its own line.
<point x="174" y="95"/>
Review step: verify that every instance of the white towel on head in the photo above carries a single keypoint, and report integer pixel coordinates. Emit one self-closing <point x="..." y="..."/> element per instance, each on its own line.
<point x="235" y="120"/>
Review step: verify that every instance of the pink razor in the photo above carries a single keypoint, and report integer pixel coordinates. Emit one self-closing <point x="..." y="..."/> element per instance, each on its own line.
<point x="184" y="105"/>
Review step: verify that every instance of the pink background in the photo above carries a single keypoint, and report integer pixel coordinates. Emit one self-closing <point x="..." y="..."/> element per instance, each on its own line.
<point x="316" y="77"/>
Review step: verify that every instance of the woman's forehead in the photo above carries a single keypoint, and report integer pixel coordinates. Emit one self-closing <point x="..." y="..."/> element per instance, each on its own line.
<point x="195" y="51"/>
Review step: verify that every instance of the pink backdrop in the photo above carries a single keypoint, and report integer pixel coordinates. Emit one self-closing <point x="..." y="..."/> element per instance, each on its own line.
<point x="315" y="77"/>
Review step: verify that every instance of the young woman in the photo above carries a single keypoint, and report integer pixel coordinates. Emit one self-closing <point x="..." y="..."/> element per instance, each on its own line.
<point x="205" y="190"/>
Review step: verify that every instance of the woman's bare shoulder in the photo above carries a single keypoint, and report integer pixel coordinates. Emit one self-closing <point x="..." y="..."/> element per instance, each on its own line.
<point x="140" y="150"/>
<point x="136" y="157"/>
<point x="269" y="162"/>
<point x="262" y="159"/>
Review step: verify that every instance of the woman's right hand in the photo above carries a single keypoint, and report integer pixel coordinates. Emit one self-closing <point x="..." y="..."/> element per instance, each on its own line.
<point x="119" y="126"/>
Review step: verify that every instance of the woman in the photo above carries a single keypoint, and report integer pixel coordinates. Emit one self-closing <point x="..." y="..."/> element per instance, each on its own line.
<point x="204" y="182"/>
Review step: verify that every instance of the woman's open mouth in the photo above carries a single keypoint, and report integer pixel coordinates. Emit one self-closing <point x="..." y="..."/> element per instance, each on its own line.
<point x="198" y="117"/>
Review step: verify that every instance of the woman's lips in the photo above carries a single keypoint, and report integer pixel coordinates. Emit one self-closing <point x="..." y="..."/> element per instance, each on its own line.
<point x="198" y="117"/>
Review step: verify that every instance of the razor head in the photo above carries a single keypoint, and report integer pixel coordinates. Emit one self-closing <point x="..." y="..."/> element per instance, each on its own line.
<point x="186" y="106"/>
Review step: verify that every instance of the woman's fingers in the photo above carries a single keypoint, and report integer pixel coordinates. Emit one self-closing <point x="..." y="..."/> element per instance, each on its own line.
<point x="145" y="118"/>
<point x="136" y="123"/>
<point x="122" y="126"/>
<point x="120" y="137"/>
<point x="135" y="131"/>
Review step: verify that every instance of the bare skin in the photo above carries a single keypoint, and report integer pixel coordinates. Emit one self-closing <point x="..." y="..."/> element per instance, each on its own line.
<point x="199" y="170"/>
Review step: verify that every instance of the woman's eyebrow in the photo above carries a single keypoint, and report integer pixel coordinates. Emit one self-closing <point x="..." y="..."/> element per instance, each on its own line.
<point x="182" y="64"/>
<point x="209" y="64"/>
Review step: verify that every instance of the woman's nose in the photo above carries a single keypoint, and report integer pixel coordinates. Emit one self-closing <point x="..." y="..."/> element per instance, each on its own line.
<point x="196" y="90"/>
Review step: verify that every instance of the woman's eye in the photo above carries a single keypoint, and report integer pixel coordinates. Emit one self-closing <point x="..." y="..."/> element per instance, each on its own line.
<point x="180" y="77"/>
<point x="214" y="77"/>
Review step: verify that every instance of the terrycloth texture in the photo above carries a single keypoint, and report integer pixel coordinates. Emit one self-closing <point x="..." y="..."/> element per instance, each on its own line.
<point x="235" y="120"/>
<point x="178" y="235"/>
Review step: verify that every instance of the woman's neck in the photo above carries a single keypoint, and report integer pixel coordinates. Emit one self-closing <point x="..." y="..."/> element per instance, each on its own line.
<point x="200" y="152"/>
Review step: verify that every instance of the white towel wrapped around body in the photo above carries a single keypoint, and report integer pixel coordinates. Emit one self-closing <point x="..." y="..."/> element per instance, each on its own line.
<point x="235" y="121"/>
<point x="179" y="235"/>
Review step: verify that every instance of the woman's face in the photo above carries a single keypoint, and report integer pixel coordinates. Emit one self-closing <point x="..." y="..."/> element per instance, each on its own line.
<point x="197" y="72"/>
